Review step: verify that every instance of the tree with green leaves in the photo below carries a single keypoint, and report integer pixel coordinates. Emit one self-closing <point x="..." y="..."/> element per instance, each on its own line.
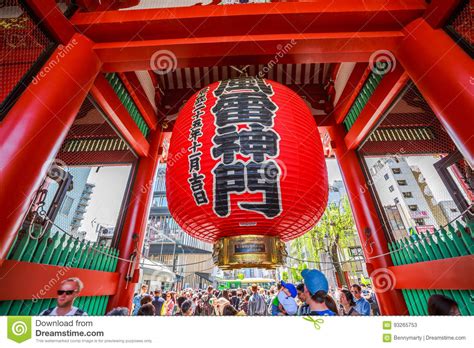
<point x="334" y="232"/>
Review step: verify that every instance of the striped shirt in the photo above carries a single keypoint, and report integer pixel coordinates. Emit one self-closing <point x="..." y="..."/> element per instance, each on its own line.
<point x="257" y="305"/>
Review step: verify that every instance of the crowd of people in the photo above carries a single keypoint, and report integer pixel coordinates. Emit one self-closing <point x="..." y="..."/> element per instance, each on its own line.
<point x="311" y="297"/>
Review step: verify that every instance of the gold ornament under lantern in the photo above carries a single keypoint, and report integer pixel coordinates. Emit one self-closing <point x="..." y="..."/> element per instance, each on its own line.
<point x="249" y="251"/>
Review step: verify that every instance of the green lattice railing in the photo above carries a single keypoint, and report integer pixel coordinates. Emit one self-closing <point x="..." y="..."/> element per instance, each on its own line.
<point x="456" y="241"/>
<point x="60" y="250"/>
<point x="128" y="102"/>
<point x="365" y="93"/>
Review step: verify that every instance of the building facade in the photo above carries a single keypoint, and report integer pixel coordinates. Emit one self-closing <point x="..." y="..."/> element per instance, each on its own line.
<point x="189" y="258"/>
<point x="408" y="202"/>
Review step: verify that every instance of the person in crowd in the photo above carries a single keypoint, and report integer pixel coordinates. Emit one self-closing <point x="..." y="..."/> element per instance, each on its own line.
<point x="119" y="311"/>
<point x="225" y="294"/>
<point x="303" y="308"/>
<point x="316" y="291"/>
<point x="146" y="299"/>
<point x="187" y="308"/>
<point x="219" y="305"/>
<point x="362" y="305"/>
<point x="274" y="304"/>
<point x="442" y="305"/>
<point x="138" y="297"/>
<point x="331" y="304"/>
<point x="374" y="306"/>
<point x="347" y="303"/>
<point x="206" y="304"/>
<point x="229" y="310"/>
<point x="158" y="301"/>
<point x="257" y="306"/>
<point x="244" y="307"/>
<point x="68" y="291"/>
<point x="234" y="300"/>
<point x="147" y="309"/>
<point x="168" y="305"/>
<point x="179" y="302"/>
<point x="286" y="299"/>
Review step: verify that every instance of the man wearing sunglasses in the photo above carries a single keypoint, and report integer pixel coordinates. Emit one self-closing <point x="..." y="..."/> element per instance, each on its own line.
<point x="68" y="291"/>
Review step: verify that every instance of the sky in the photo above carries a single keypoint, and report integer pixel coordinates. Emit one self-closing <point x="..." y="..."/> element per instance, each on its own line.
<point x="106" y="199"/>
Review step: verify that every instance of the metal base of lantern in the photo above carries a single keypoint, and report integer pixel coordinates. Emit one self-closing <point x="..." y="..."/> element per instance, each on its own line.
<point x="249" y="251"/>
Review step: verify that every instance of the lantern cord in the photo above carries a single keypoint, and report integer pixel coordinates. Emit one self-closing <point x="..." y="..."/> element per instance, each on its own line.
<point x="425" y="238"/>
<point x="325" y="262"/>
<point x="299" y="270"/>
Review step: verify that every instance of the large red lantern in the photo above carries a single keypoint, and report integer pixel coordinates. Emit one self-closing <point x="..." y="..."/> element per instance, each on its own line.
<point x="246" y="170"/>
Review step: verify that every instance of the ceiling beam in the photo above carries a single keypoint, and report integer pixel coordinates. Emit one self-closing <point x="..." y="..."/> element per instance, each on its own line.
<point x="254" y="49"/>
<point x="249" y="19"/>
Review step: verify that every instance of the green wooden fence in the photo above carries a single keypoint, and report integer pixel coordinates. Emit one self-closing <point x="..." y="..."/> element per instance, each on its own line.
<point x="60" y="250"/>
<point x="127" y="101"/>
<point x="453" y="241"/>
<point x="365" y="93"/>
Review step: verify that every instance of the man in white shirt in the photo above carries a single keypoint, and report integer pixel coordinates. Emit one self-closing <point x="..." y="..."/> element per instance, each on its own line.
<point x="68" y="291"/>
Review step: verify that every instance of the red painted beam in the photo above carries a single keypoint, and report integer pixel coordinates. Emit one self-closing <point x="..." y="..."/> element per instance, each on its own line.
<point x="52" y="19"/>
<point x="268" y="19"/>
<point x="248" y="49"/>
<point x="138" y="95"/>
<point x="453" y="273"/>
<point x="34" y="129"/>
<point x="439" y="11"/>
<point x="385" y="93"/>
<point x="442" y="71"/>
<point x="369" y="227"/>
<point x="19" y="284"/>
<point x="134" y="226"/>
<point x="351" y="91"/>
<point x="118" y="115"/>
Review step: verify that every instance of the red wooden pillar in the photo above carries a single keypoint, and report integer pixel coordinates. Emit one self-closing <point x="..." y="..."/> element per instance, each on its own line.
<point x="134" y="228"/>
<point x="368" y="225"/>
<point x="36" y="126"/>
<point x="444" y="74"/>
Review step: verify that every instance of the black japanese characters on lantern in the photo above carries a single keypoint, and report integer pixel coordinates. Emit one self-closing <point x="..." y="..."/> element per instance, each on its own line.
<point x="196" y="178"/>
<point x="244" y="117"/>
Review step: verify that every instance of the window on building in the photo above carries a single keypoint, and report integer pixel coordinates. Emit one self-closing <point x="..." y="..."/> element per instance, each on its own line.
<point x="386" y="176"/>
<point x="413" y="207"/>
<point x="396" y="170"/>
<point x="396" y="200"/>
<point x="390" y="188"/>
<point x="408" y="194"/>
<point x="67" y="204"/>
<point x="394" y="218"/>
<point x="402" y="182"/>
<point x="420" y="222"/>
